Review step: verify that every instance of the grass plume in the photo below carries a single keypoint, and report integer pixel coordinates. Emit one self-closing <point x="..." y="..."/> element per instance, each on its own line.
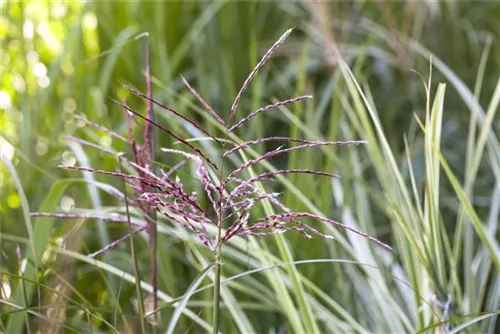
<point x="231" y="197"/>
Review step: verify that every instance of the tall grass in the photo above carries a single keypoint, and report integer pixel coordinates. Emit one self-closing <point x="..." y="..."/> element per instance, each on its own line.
<point x="426" y="183"/>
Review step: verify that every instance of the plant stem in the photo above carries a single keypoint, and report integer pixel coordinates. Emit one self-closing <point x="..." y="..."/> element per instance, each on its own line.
<point x="150" y="145"/>
<point x="216" y="298"/>
<point x="140" y="300"/>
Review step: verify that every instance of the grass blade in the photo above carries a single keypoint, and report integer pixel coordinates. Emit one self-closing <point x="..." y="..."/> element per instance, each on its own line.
<point x="185" y="298"/>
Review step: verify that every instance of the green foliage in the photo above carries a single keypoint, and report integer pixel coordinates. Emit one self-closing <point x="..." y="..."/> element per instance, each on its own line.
<point x="427" y="182"/>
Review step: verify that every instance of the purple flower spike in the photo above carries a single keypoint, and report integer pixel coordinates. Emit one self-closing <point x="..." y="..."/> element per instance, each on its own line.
<point x="228" y="195"/>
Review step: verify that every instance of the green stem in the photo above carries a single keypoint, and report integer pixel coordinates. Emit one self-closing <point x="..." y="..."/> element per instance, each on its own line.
<point x="216" y="299"/>
<point x="140" y="300"/>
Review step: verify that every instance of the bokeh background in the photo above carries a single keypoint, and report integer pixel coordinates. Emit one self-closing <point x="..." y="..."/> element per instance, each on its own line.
<point x="61" y="58"/>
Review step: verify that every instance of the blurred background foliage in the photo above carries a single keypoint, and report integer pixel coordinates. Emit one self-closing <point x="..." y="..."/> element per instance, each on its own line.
<point x="61" y="58"/>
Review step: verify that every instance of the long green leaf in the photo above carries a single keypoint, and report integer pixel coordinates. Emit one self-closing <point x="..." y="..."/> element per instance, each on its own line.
<point x="185" y="298"/>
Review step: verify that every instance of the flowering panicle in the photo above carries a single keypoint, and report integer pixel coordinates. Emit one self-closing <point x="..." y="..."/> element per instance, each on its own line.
<point x="228" y="194"/>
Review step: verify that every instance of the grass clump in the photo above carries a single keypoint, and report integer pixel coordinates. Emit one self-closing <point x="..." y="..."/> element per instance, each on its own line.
<point x="232" y="192"/>
<point x="432" y="192"/>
